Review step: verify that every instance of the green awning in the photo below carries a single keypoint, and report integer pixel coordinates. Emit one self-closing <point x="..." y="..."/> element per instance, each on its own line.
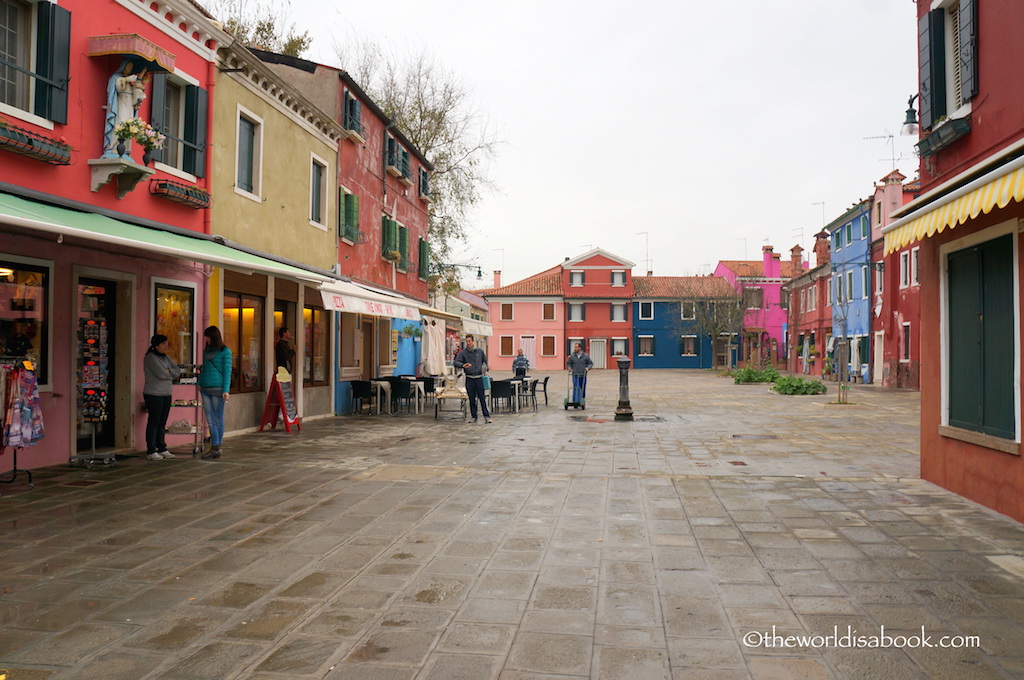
<point x="91" y="226"/>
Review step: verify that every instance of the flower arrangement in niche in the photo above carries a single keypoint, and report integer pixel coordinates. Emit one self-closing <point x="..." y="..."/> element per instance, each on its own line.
<point x="149" y="138"/>
<point x="140" y="131"/>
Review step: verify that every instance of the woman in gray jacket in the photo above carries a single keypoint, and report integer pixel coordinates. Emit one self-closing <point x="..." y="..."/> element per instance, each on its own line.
<point x="160" y="371"/>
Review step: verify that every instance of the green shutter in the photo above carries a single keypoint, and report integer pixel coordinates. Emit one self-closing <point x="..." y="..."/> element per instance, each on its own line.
<point x="157" y="103"/>
<point x="403" y="246"/>
<point x="194" y="160"/>
<point x="968" y="49"/>
<point x="424" y="264"/>
<point x="53" y="54"/>
<point x="932" y="66"/>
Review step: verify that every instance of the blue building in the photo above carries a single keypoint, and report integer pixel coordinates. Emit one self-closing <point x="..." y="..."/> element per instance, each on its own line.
<point x="851" y="286"/>
<point x="667" y="330"/>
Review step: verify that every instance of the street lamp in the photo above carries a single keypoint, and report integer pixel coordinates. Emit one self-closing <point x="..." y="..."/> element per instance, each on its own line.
<point x="441" y="267"/>
<point x="910" y="126"/>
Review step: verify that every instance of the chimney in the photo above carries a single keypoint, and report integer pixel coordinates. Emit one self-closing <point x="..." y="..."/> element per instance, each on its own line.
<point x="497" y="278"/>
<point x="797" y="258"/>
<point x="768" y="258"/>
<point x="776" y="265"/>
<point x="821" y="248"/>
<point x="650" y="273"/>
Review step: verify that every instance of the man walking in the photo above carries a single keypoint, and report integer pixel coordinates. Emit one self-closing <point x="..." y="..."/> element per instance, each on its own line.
<point x="473" y="361"/>
<point x="579" y="363"/>
<point x="520" y="364"/>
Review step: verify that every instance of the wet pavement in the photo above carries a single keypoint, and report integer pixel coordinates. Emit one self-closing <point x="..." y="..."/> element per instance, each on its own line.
<point x="711" y="539"/>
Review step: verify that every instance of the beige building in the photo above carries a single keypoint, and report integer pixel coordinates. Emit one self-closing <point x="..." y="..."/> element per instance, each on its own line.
<point x="275" y="191"/>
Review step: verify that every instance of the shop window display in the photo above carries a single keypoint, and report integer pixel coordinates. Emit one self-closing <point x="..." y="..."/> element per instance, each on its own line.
<point x="175" y="317"/>
<point x="317" y="336"/>
<point x="24" y="292"/>
<point x="243" y="333"/>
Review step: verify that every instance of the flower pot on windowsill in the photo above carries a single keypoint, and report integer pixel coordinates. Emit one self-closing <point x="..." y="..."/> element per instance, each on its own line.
<point x="392" y="256"/>
<point x="178" y="192"/>
<point x="33" y="145"/>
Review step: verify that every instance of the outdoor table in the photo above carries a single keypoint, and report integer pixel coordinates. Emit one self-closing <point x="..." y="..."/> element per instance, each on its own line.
<point x="383" y="388"/>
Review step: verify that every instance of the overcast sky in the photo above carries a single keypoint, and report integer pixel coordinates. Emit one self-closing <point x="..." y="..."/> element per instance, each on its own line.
<point x="716" y="127"/>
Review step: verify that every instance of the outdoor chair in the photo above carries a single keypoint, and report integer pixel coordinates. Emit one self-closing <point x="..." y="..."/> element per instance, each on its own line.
<point x="362" y="390"/>
<point x="544" y="388"/>
<point x="501" y="390"/>
<point x="529" y="395"/>
<point x="401" y="390"/>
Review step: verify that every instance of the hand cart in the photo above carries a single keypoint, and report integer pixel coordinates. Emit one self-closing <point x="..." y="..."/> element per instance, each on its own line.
<point x="572" y="398"/>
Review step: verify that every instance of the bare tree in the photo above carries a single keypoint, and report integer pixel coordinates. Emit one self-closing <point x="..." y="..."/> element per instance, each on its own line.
<point x="717" y="317"/>
<point x="263" y="24"/>
<point x="434" y="110"/>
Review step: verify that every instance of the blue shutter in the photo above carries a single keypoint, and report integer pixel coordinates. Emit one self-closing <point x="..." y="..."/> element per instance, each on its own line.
<point x="932" y="65"/>
<point x="968" y="49"/>
<point x="53" y="50"/>
<point x="196" y="100"/>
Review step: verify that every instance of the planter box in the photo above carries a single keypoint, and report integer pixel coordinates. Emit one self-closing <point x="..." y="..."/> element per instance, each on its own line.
<point x="185" y="194"/>
<point x="26" y="143"/>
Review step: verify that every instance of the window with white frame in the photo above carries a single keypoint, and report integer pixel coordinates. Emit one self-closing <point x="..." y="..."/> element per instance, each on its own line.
<point x="688" y="345"/>
<point x="547" y="346"/>
<point x="249" y="161"/>
<point x="620" y="347"/>
<point x="687" y="310"/>
<point x="577" y="311"/>
<point x="849" y="232"/>
<point x="837" y="240"/>
<point x="904" y="269"/>
<point x="505" y="345"/>
<point x="618" y="279"/>
<point x="506" y="311"/>
<point x="849" y="286"/>
<point x="570" y="345"/>
<point x="812" y="297"/>
<point x="646" y="311"/>
<point x="948" y="67"/>
<point x="645" y="345"/>
<point x="576" y="278"/>
<point x="179" y="111"/>
<point x="839" y="289"/>
<point x="35" y="39"/>
<point x="618" y="312"/>
<point x="318" y="192"/>
<point x="914" y="261"/>
<point x="548" y="311"/>
<point x="905" y="354"/>
<point x="753" y="298"/>
<point x="828" y="292"/>
<point x="863" y="226"/>
<point x="879" y="281"/>
<point x="865" y="282"/>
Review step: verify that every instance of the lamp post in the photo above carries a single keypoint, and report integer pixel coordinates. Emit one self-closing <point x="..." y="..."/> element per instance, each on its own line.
<point x="910" y="125"/>
<point x="623" y="411"/>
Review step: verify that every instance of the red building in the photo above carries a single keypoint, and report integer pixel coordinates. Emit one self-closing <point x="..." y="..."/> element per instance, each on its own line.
<point x="969" y="262"/>
<point x="598" y="288"/>
<point x="810" y="313"/>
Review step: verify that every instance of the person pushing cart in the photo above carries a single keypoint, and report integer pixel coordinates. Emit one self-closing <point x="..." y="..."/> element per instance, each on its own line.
<point x="579" y="363"/>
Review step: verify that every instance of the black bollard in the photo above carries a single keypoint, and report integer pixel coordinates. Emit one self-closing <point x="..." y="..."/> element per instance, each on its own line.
<point x="623" y="411"/>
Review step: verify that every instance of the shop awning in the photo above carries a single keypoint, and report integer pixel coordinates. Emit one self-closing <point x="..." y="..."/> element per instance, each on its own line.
<point x="37" y="216"/>
<point x="131" y="44"/>
<point x="993" y="190"/>
<point x="478" y="328"/>
<point x="343" y="296"/>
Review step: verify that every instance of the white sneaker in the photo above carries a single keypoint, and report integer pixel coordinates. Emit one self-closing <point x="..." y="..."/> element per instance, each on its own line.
<point x="166" y="454"/>
<point x="487" y="419"/>
<point x="154" y="456"/>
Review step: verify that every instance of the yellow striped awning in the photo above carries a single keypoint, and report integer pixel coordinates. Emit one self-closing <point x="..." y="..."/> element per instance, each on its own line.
<point x="957" y="208"/>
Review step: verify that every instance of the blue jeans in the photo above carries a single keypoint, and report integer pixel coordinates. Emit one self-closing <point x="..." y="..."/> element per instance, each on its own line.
<point x="213" y="406"/>
<point x="579" y="388"/>
<point x="475" y="390"/>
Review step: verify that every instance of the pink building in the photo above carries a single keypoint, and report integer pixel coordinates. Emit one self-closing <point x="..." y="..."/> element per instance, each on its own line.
<point x="761" y="283"/>
<point x="527" y="314"/>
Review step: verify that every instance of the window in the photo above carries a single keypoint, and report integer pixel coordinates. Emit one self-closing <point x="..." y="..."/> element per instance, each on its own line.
<point x="424" y="259"/>
<point x="389" y="239"/>
<point x="403" y="249"/>
<point x="905" y="354"/>
<point x="243" y="333"/>
<point x="645" y="345"/>
<point x="647" y="311"/>
<point x="878" y="212"/>
<point x="174" y="316"/>
<point x="863" y="226"/>
<point x="947" y="81"/>
<point x="687" y="310"/>
<point x="348" y="216"/>
<point x="618" y="312"/>
<point x="547" y="346"/>
<point x="250" y="142"/>
<point x="576" y="279"/>
<point x="618" y="278"/>
<point x="839" y="289"/>
<point x="837" y="240"/>
<point x="879" y="281"/>
<point x="24" y="326"/>
<point x="505" y="348"/>
<point x="398" y="161"/>
<point x="753" y="298"/>
<point x="688" y="345"/>
<point x="849" y="232"/>
<point x="506" y="311"/>
<point x="180" y="112"/>
<point x="981" y="360"/>
<point x="849" y="286"/>
<point x="424" y="184"/>
<point x="865" y="282"/>
<point x="914" y="260"/>
<point x="620" y="347"/>
<point x="904" y="269"/>
<point x="570" y="345"/>
<point x="317" y="344"/>
<point x="812" y="297"/>
<point x="549" y="311"/>
<point x="828" y="292"/>
<point x="352" y="114"/>
<point x="577" y="311"/>
<point x="38" y="88"/>
<point x="317" y="192"/>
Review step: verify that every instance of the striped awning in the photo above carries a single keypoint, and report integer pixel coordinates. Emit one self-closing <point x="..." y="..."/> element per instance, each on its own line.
<point x="993" y="190"/>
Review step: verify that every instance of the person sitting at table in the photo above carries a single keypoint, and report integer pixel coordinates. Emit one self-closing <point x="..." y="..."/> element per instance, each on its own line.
<point x="520" y="365"/>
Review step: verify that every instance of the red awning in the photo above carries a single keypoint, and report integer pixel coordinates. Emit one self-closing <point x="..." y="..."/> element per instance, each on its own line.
<point x="134" y="44"/>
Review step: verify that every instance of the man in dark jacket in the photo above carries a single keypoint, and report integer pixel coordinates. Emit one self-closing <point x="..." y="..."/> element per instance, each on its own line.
<point x="579" y="363"/>
<point x="473" y="361"/>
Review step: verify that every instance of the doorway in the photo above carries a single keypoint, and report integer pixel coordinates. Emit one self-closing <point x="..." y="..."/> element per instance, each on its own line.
<point x="528" y="343"/>
<point x="96" y="415"/>
<point x="599" y="352"/>
<point x="877" y="374"/>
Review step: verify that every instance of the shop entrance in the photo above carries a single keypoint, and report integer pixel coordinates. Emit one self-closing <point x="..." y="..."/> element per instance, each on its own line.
<point x="97" y="345"/>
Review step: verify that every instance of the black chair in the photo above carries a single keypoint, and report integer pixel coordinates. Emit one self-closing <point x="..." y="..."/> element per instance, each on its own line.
<point x="362" y="389"/>
<point x="544" y="389"/>
<point x="401" y="390"/>
<point x="429" y="388"/>
<point x="501" y="389"/>
<point x="529" y="394"/>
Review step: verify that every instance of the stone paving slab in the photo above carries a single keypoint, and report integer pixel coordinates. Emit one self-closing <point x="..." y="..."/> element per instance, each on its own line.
<point x="714" y="540"/>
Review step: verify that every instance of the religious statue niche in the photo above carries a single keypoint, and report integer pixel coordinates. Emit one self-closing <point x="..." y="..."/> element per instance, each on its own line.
<point x="125" y="92"/>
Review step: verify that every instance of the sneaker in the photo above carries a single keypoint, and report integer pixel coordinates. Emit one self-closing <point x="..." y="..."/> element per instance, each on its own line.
<point x="166" y="454"/>
<point x="214" y="452"/>
<point x="472" y="422"/>
<point x="154" y="456"/>
<point x="487" y="419"/>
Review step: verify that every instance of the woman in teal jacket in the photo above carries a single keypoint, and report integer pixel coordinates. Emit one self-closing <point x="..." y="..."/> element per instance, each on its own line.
<point x="215" y="384"/>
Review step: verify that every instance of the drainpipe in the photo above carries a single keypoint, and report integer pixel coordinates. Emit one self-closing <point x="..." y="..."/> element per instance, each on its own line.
<point x="211" y="73"/>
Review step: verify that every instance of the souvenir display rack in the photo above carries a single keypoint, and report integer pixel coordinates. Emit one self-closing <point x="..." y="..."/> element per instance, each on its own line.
<point x="93" y="373"/>
<point x="197" y="428"/>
